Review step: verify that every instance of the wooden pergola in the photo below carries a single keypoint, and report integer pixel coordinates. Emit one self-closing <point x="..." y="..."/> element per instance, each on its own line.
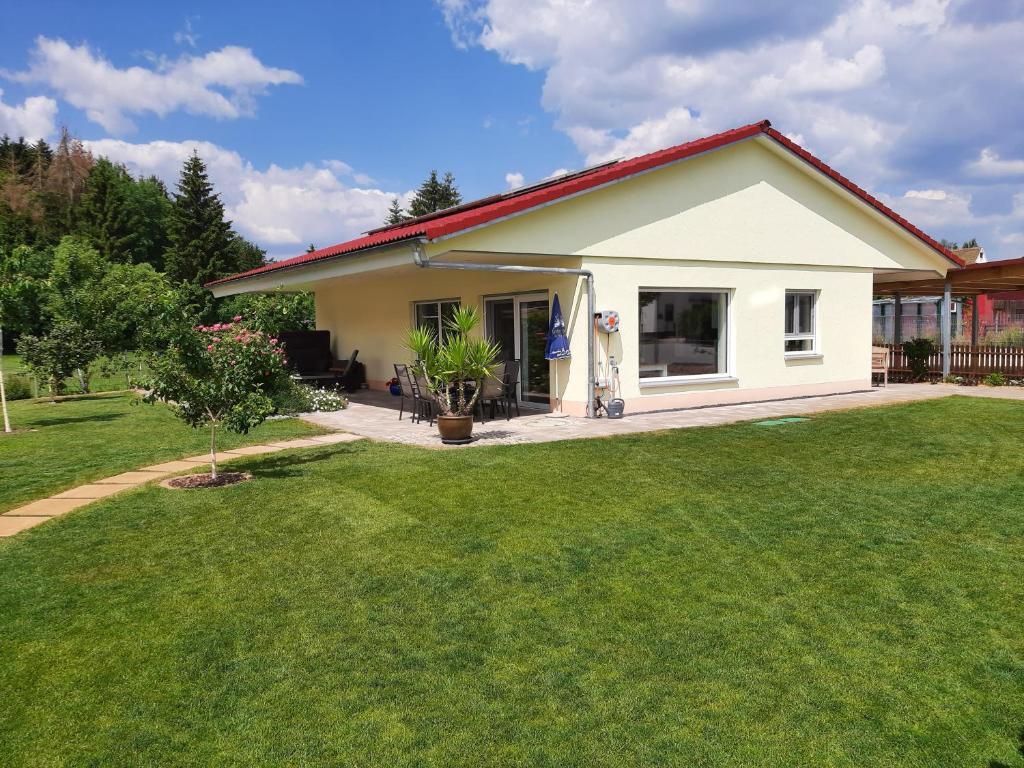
<point x="972" y="280"/>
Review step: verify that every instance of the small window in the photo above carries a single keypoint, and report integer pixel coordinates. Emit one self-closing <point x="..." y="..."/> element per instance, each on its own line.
<point x="682" y="333"/>
<point x="434" y="315"/>
<point x="800" y="326"/>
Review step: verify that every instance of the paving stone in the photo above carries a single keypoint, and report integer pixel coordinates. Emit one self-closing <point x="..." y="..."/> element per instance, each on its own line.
<point x="93" y="491"/>
<point x="135" y="477"/>
<point x="302" y="442"/>
<point x="46" y="508"/>
<point x="12" y="525"/>
<point x="175" y="466"/>
<point x="337" y="437"/>
<point x="255" y="450"/>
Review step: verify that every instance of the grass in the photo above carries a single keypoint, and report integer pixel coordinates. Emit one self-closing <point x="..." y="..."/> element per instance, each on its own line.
<point x="844" y="591"/>
<point x="87" y="438"/>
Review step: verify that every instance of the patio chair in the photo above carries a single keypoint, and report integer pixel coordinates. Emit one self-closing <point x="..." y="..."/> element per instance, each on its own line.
<point x="509" y="384"/>
<point x="425" y="399"/>
<point x="409" y="391"/>
<point x="492" y="392"/>
<point x="880" y="363"/>
<point x="351" y="373"/>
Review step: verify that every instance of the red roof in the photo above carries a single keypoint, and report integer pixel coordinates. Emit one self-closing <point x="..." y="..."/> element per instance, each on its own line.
<point x="489" y="209"/>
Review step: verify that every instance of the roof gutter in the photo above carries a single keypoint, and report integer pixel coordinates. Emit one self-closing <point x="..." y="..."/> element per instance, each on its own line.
<point x="419" y="257"/>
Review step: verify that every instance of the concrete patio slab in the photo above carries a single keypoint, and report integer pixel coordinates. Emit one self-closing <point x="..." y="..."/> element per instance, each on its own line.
<point x="46" y="508"/>
<point x="12" y="525"/>
<point x="93" y="491"/>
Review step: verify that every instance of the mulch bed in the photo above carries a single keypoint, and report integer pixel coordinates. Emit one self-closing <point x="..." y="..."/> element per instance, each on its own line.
<point x="187" y="482"/>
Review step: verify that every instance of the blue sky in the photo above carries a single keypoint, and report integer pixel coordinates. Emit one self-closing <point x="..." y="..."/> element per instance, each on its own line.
<point x="313" y="116"/>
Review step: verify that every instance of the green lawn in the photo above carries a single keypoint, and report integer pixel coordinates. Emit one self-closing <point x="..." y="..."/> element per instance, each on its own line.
<point x="78" y="440"/>
<point x="845" y="591"/>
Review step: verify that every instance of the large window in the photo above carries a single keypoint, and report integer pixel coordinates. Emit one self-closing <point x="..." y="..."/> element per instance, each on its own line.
<point x="800" y="325"/>
<point x="434" y="315"/>
<point x="682" y="333"/>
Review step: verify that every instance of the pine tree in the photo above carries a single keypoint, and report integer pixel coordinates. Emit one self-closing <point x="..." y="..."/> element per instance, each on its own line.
<point x="200" y="239"/>
<point x="106" y="215"/>
<point x="450" y="196"/>
<point x="435" y="195"/>
<point x="152" y="207"/>
<point x="245" y="255"/>
<point x="395" y="214"/>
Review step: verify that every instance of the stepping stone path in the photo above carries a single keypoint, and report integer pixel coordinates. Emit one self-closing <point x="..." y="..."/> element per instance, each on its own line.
<point x="36" y="512"/>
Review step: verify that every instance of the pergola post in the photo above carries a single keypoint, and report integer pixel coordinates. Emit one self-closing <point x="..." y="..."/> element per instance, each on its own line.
<point x="975" y="322"/>
<point x="947" y="322"/>
<point x="897" y="321"/>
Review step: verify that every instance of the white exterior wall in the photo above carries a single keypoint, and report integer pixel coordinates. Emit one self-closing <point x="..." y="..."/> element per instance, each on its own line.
<point x="754" y="330"/>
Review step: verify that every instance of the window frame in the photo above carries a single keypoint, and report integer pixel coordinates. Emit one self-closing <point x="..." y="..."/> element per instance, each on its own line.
<point x="814" y="351"/>
<point x="437" y="303"/>
<point x="726" y="340"/>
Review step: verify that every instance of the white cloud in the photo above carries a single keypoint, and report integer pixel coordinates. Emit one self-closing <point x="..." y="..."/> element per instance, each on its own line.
<point x="187" y="36"/>
<point x="926" y="194"/>
<point x="514" y="179"/>
<point x="989" y="163"/>
<point x="222" y="84"/>
<point x="34" y="118"/>
<point x="937" y="208"/>
<point x="282" y="209"/>
<point x="896" y="94"/>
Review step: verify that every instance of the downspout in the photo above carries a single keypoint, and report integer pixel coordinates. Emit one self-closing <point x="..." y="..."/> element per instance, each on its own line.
<point x="419" y="256"/>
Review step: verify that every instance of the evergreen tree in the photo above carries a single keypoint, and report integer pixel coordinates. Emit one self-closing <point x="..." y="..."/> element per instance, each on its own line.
<point x="200" y="239"/>
<point x="395" y="214"/>
<point x="245" y="255"/>
<point x="107" y="217"/>
<point x="152" y="209"/>
<point x="450" y="196"/>
<point x="435" y="195"/>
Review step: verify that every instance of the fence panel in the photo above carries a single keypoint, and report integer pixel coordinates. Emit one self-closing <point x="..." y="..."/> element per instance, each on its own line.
<point x="965" y="360"/>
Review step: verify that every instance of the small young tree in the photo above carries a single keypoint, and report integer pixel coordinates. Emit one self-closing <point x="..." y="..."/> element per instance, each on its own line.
<point x="219" y="376"/>
<point x="55" y="356"/>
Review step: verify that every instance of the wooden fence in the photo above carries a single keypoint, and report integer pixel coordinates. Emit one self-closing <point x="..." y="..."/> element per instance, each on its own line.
<point x="965" y="360"/>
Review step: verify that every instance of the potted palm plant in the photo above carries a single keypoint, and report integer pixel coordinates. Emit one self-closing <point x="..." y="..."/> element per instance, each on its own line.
<point x="454" y="368"/>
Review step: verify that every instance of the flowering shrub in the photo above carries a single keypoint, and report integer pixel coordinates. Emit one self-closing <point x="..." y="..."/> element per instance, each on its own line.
<point x="221" y="375"/>
<point x="302" y="398"/>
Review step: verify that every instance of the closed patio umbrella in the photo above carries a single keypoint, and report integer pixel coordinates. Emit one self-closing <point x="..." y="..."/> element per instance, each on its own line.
<point x="557" y="347"/>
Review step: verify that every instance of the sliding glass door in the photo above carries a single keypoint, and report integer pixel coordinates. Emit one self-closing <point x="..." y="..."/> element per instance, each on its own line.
<point x="519" y="324"/>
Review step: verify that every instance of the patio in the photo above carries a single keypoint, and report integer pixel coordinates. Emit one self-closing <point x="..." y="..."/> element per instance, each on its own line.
<point x="374" y="414"/>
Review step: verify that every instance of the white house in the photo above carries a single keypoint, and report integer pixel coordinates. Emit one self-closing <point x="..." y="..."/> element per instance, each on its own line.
<point x="741" y="266"/>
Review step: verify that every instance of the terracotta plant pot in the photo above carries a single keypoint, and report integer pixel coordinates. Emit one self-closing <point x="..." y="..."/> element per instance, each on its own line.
<point x="455" y="430"/>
